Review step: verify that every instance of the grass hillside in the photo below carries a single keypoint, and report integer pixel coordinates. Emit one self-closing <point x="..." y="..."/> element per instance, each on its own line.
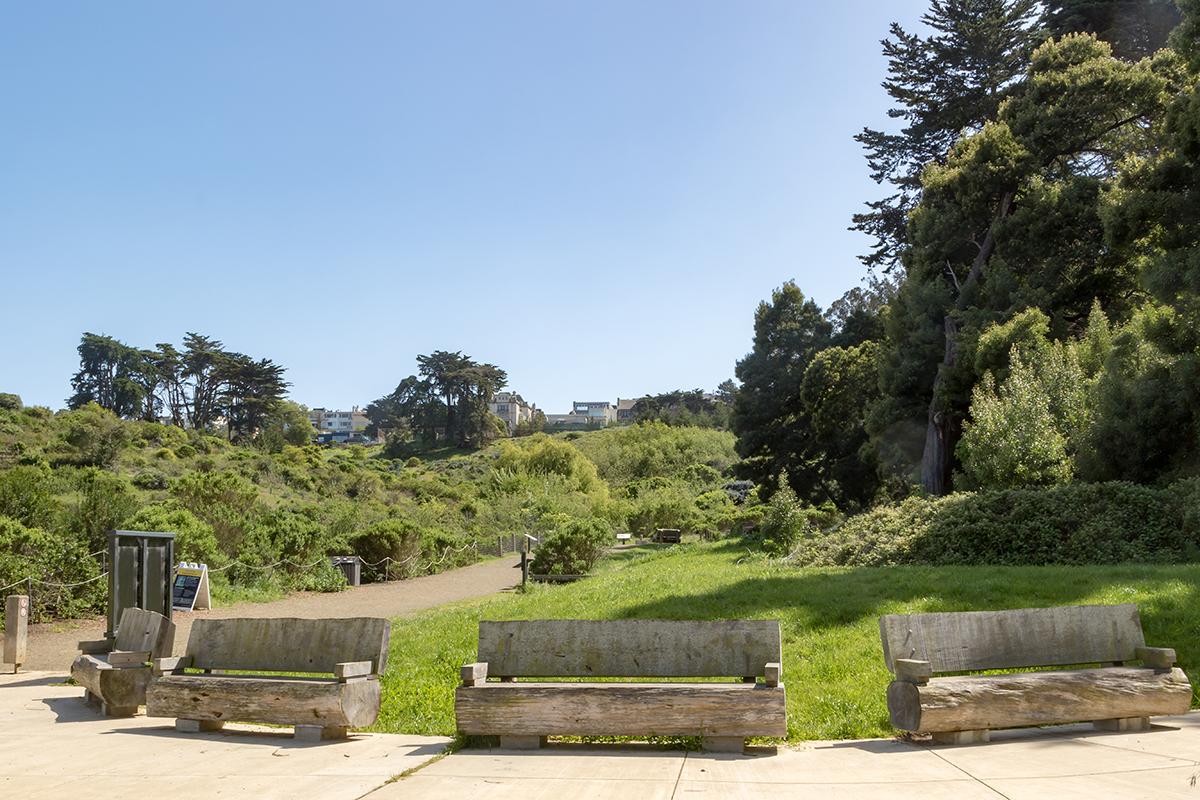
<point x="832" y="659"/>
<point x="68" y="477"/>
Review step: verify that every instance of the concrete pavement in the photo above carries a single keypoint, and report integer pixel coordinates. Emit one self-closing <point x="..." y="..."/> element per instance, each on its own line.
<point x="53" y="746"/>
<point x="1062" y="763"/>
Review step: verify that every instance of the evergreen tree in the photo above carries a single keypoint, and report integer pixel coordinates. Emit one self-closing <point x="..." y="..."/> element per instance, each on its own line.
<point x="1134" y="28"/>
<point x="943" y="85"/>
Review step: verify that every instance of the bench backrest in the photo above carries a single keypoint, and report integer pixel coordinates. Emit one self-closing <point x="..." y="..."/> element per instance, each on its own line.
<point x="287" y="644"/>
<point x="1027" y="637"/>
<point x="628" y="648"/>
<point x="140" y="631"/>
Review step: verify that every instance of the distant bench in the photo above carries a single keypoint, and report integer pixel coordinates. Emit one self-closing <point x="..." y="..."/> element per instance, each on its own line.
<point x="964" y="708"/>
<point x="115" y="674"/>
<point x="343" y="658"/>
<point x="667" y="536"/>
<point x="724" y="714"/>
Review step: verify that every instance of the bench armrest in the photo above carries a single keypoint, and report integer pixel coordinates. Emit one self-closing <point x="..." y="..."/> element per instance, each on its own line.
<point x="352" y="669"/>
<point x="911" y="670"/>
<point x="1156" y="657"/>
<point x="773" y="673"/>
<point x="176" y="664"/>
<point x="474" y="674"/>
<point x="95" y="647"/>
<point x="128" y="658"/>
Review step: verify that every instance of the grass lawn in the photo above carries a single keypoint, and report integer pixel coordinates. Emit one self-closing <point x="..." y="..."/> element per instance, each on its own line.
<point x="832" y="661"/>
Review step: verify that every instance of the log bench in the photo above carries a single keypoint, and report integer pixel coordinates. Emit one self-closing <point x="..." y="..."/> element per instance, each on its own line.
<point x="1108" y="687"/>
<point x="340" y="659"/>
<point x="114" y="674"/>
<point x="524" y="713"/>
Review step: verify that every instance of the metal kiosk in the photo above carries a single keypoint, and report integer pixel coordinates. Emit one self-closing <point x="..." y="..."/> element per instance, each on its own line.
<point x="139" y="574"/>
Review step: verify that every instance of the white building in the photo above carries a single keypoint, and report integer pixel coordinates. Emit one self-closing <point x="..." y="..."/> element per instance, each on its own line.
<point x="326" y="420"/>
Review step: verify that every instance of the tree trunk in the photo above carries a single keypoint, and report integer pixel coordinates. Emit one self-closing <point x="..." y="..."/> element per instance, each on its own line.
<point x="944" y="425"/>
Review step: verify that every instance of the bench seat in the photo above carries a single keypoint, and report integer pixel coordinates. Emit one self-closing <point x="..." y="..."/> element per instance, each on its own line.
<point x="342" y="659"/>
<point x="522" y="713"/>
<point x="1119" y="694"/>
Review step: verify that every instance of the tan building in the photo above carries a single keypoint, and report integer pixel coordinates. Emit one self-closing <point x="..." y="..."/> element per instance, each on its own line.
<point x="512" y="408"/>
<point x="326" y="420"/>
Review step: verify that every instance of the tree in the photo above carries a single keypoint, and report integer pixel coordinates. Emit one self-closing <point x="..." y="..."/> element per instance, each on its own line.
<point x="250" y="392"/>
<point x="1078" y="112"/>
<point x="768" y="416"/>
<point x="1134" y="28"/>
<point x="943" y="85"/>
<point x="108" y="376"/>
<point x="839" y="384"/>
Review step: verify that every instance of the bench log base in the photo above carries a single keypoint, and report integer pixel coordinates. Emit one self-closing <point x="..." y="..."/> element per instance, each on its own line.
<point x="117" y="691"/>
<point x="1123" y="724"/>
<point x="714" y="711"/>
<point x="522" y="742"/>
<point x="1018" y="700"/>
<point x="315" y="733"/>
<point x="277" y="701"/>
<point x="198" y="725"/>
<point x="962" y="737"/>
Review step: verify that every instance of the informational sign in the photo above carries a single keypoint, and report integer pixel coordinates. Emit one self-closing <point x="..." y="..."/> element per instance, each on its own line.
<point x="190" y="590"/>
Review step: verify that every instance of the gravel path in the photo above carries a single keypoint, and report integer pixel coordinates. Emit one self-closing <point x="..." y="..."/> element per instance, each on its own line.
<point x="53" y="646"/>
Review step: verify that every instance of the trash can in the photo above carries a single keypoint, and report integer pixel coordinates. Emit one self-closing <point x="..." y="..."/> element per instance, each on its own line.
<point x="351" y="567"/>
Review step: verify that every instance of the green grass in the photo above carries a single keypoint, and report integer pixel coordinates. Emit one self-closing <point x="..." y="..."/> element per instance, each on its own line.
<point x="833" y="664"/>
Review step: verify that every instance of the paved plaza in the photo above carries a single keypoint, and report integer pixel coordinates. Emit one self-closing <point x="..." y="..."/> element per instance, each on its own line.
<point x="52" y="746"/>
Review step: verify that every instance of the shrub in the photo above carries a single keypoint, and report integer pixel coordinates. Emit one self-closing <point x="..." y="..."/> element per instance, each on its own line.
<point x="54" y="558"/>
<point x="224" y="500"/>
<point x="150" y="479"/>
<point x="185" y="451"/>
<point x="92" y="436"/>
<point x="651" y="449"/>
<point x="399" y="540"/>
<point x="27" y="494"/>
<point x="10" y="402"/>
<point x="194" y="539"/>
<point x="574" y="548"/>
<point x="103" y="502"/>
<point x="1100" y="523"/>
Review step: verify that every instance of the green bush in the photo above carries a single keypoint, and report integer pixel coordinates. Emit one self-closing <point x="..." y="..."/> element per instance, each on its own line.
<point x="574" y="548"/>
<point x="1098" y="523"/>
<point x="56" y="559"/>
<point x="397" y="539"/>
<point x="103" y="502"/>
<point x="92" y="436"/>
<point x="150" y="479"/>
<point x="651" y="449"/>
<point x="194" y="539"/>
<point x="224" y="500"/>
<point x="10" y="402"/>
<point x="787" y="521"/>
<point x="27" y="494"/>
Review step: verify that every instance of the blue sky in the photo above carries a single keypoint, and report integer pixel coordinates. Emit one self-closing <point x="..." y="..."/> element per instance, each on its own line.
<point x="594" y="196"/>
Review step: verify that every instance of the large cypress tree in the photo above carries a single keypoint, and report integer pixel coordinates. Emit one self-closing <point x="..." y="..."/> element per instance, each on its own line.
<point x="943" y="85"/>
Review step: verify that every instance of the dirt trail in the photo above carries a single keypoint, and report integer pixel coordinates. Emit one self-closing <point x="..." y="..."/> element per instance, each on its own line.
<point x="52" y="646"/>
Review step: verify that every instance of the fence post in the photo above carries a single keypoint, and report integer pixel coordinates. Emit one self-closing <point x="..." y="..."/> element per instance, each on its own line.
<point x="514" y="542"/>
<point x="524" y="567"/>
<point x="499" y="545"/>
<point x="16" y="630"/>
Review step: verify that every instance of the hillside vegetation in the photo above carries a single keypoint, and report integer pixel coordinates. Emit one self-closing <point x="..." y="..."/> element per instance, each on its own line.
<point x="67" y="478"/>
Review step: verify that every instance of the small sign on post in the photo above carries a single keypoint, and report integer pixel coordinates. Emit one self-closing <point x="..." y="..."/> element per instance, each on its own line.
<point x="190" y="591"/>
<point x="16" y="629"/>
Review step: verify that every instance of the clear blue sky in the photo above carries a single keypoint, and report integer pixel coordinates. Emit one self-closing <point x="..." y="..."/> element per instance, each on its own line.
<point x="594" y="196"/>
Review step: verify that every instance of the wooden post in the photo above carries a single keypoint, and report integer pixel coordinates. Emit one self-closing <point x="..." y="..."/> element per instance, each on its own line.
<point x="499" y="545"/>
<point x="16" y="629"/>
<point x="514" y="542"/>
<point x="524" y="567"/>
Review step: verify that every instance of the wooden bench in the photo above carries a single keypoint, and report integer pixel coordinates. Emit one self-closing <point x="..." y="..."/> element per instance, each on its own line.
<point x="342" y="659"/>
<point x="667" y="536"/>
<point x="964" y="708"/>
<point x="115" y="674"/>
<point x="523" y="714"/>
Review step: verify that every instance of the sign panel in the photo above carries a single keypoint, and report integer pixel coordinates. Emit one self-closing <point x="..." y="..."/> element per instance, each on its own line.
<point x="190" y="591"/>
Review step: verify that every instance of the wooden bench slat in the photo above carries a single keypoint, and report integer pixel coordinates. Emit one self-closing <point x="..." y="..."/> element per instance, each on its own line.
<point x="621" y="709"/>
<point x="629" y="648"/>
<point x="327" y="703"/>
<point x="140" y="630"/>
<point x="287" y="644"/>
<point x="1029" y="637"/>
